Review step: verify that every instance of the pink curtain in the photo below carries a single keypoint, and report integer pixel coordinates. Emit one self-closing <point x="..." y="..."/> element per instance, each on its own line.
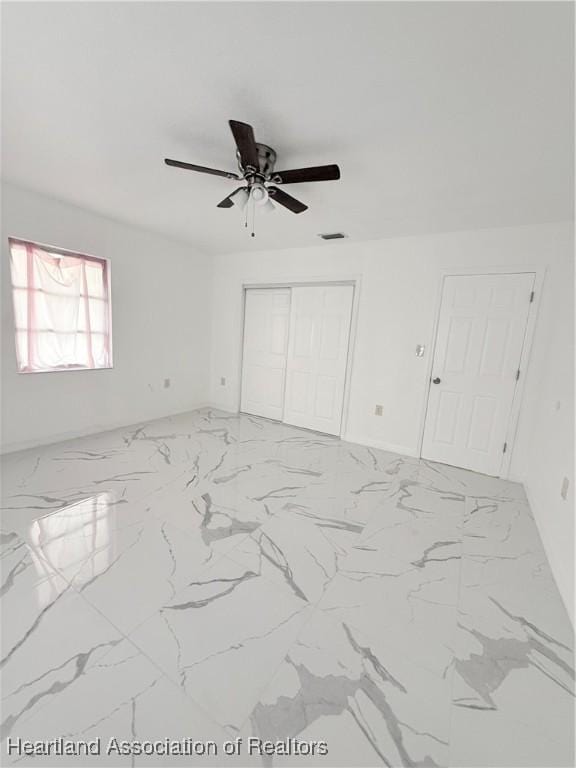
<point x="61" y="309"/>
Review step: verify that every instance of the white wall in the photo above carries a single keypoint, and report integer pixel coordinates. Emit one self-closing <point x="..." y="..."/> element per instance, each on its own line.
<point x="544" y="452"/>
<point x="399" y="292"/>
<point x="160" y="317"/>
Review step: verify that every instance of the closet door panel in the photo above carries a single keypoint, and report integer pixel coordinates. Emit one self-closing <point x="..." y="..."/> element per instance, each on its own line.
<point x="317" y="357"/>
<point x="266" y="325"/>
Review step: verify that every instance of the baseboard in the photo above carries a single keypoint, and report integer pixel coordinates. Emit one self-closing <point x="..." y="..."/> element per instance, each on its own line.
<point x="23" y="445"/>
<point x="403" y="450"/>
<point x="217" y="407"/>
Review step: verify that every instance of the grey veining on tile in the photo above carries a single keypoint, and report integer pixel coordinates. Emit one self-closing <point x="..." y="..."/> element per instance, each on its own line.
<point x="222" y="636"/>
<point x="375" y="708"/>
<point x="231" y="576"/>
<point x="49" y="636"/>
<point x="138" y="703"/>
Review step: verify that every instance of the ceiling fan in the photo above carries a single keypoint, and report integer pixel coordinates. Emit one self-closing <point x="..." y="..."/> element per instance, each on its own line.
<point x="256" y="163"/>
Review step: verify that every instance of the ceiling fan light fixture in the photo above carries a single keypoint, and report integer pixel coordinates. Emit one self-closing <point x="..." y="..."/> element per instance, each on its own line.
<point x="268" y="206"/>
<point x="241" y="198"/>
<point x="259" y="194"/>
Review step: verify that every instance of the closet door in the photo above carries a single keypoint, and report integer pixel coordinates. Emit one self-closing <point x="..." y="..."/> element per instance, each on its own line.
<point x="317" y="357"/>
<point x="266" y="323"/>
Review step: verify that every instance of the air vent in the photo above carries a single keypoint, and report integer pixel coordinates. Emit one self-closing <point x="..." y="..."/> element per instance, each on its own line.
<point x="333" y="236"/>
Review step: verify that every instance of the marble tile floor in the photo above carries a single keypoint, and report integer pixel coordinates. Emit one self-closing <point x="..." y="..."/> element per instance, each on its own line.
<point x="219" y="577"/>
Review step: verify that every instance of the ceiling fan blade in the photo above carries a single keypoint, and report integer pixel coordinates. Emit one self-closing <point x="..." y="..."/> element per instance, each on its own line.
<point x="228" y="202"/>
<point x="246" y="143"/>
<point x="316" y="173"/>
<point x="279" y="196"/>
<point x="201" y="169"/>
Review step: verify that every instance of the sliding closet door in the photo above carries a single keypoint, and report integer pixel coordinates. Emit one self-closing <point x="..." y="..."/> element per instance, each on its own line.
<point x="317" y="357"/>
<point x="266" y="323"/>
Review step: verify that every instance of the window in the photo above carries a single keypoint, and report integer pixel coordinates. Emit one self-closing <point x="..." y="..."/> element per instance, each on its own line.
<point x="61" y="309"/>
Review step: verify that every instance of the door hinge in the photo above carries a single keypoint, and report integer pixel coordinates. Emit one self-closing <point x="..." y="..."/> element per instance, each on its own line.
<point x="531" y="297"/>
<point x="505" y="447"/>
<point x="517" y="374"/>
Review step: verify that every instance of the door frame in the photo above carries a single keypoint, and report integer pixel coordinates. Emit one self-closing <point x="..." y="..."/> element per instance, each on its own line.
<point x="539" y="273"/>
<point x="355" y="282"/>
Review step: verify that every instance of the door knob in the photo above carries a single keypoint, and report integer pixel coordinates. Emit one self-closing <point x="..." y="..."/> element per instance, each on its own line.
<point x="436" y="380"/>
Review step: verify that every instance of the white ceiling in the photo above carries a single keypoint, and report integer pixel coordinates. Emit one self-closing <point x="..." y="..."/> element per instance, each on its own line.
<point x="442" y="116"/>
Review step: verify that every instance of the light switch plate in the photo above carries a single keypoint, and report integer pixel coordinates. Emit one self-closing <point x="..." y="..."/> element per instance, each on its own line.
<point x="378" y="410"/>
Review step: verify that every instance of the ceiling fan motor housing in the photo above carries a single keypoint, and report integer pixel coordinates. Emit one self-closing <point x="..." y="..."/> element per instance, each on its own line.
<point x="266" y="160"/>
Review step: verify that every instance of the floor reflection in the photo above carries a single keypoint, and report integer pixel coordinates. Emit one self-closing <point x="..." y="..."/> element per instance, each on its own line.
<point x="76" y="540"/>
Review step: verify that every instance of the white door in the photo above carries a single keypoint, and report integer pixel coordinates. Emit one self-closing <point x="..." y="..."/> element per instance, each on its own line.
<point x="476" y="360"/>
<point x="317" y="357"/>
<point x="266" y="323"/>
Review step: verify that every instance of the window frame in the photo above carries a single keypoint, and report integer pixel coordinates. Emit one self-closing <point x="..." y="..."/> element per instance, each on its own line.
<point x="108" y="286"/>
